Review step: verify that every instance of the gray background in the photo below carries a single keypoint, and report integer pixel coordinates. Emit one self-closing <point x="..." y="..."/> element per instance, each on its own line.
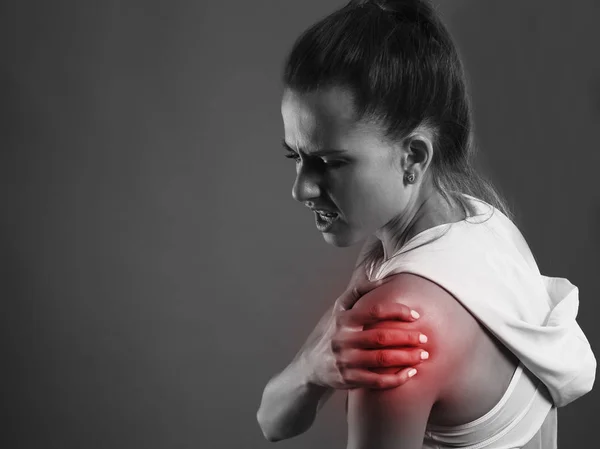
<point x="157" y="271"/>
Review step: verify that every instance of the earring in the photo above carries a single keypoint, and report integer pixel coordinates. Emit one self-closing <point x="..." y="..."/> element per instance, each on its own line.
<point x="410" y="177"/>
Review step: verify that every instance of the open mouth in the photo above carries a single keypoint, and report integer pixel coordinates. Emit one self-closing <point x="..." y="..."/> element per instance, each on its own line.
<point x="325" y="220"/>
<point x="326" y="214"/>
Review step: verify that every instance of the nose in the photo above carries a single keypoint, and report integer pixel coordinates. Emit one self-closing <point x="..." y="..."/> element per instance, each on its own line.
<point x="306" y="185"/>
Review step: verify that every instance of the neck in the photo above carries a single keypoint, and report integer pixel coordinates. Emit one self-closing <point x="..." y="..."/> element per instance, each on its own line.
<point x="427" y="210"/>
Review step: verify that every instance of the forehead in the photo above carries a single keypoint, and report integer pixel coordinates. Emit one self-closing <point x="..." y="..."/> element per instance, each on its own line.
<point x="312" y="117"/>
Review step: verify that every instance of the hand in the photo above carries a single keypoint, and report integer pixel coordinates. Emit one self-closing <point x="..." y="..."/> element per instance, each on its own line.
<point x="340" y="353"/>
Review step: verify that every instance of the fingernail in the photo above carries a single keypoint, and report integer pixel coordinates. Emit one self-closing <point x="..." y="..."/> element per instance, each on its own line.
<point x="423" y="338"/>
<point x="412" y="372"/>
<point x="414" y="314"/>
<point x="424" y="355"/>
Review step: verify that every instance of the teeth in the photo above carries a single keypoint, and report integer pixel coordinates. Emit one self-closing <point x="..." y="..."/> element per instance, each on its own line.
<point x="326" y="214"/>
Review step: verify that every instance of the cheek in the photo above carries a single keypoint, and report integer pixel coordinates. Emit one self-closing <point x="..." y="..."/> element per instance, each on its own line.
<point x="353" y="194"/>
<point x="365" y="201"/>
<point x="378" y="194"/>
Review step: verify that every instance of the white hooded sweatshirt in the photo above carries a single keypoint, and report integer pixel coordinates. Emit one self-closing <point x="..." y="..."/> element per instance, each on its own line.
<point x="486" y="264"/>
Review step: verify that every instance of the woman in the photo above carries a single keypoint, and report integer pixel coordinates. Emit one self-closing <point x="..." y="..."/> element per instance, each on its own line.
<point x="377" y="119"/>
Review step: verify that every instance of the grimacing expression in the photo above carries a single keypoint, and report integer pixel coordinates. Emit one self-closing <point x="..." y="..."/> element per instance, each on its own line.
<point x="362" y="181"/>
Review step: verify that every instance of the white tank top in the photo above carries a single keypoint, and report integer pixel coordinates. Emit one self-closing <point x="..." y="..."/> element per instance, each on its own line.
<point x="523" y="416"/>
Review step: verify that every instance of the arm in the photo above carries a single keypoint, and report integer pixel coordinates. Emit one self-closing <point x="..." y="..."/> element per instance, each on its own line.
<point x="334" y="357"/>
<point x="390" y="419"/>
<point x="290" y="401"/>
<point x="396" y="418"/>
<point x="293" y="397"/>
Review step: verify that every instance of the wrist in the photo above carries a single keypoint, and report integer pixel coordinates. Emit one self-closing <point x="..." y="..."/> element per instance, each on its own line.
<point x="307" y="375"/>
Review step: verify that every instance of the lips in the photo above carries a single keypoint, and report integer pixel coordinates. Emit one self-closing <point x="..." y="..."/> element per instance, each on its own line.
<point x="325" y="223"/>
<point x="325" y="212"/>
<point x="322" y="209"/>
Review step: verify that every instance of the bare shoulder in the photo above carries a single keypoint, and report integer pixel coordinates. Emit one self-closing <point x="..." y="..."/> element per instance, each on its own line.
<point x="453" y="333"/>
<point x="401" y="414"/>
<point x="468" y="368"/>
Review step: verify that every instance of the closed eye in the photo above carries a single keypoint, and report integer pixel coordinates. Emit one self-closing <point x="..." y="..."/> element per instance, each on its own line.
<point x="294" y="156"/>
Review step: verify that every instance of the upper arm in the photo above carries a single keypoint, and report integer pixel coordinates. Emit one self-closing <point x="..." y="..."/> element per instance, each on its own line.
<point x="396" y="418"/>
<point x="390" y="419"/>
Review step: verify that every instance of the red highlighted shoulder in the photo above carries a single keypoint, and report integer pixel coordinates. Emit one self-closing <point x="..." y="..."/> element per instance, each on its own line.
<point x="451" y="330"/>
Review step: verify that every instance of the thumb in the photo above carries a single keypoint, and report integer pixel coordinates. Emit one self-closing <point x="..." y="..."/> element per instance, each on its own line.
<point x="352" y="294"/>
<point x="348" y="298"/>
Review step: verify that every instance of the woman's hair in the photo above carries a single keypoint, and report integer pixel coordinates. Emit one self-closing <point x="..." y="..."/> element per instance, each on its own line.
<point x="399" y="63"/>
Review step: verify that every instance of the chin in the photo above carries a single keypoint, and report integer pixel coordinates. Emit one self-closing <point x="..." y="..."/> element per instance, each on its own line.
<point x="340" y="239"/>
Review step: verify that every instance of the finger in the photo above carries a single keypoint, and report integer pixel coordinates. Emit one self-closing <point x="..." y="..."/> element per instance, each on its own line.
<point x="381" y="358"/>
<point x="369" y="379"/>
<point x="379" y="338"/>
<point x="377" y="312"/>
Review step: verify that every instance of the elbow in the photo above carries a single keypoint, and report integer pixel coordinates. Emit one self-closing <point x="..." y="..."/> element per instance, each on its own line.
<point x="274" y="432"/>
<point x="271" y="438"/>
<point x="267" y="430"/>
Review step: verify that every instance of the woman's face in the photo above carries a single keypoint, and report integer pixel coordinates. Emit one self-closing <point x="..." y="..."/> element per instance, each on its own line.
<point x="361" y="182"/>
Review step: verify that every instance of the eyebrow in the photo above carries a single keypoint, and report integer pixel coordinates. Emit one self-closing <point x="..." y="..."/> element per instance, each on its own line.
<point x="326" y="152"/>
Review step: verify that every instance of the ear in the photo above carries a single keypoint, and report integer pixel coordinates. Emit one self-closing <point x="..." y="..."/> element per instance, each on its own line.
<point x="418" y="153"/>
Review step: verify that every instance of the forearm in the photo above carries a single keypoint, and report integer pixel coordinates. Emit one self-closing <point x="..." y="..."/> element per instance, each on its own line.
<point x="289" y="403"/>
